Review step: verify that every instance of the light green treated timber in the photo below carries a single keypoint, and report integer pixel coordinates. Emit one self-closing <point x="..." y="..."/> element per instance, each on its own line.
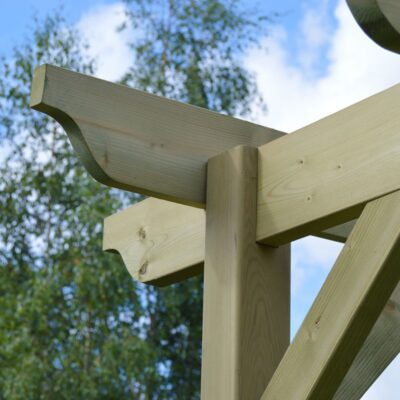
<point x="322" y="175"/>
<point x="346" y="309"/>
<point x="246" y="286"/>
<point x="137" y="141"/>
<point x="168" y="238"/>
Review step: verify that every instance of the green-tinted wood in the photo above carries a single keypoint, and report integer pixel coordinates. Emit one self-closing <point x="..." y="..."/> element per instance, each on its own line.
<point x="323" y="174"/>
<point x="346" y="309"/>
<point x="137" y="141"/>
<point x="246" y="286"/>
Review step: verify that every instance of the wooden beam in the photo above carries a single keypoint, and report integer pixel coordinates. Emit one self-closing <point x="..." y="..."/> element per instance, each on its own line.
<point x="338" y="233"/>
<point x="380" y="20"/>
<point x="246" y="286"/>
<point x="160" y="242"/>
<point x="137" y="141"/>
<point x="346" y="309"/>
<point x="324" y="174"/>
<point x="378" y="351"/>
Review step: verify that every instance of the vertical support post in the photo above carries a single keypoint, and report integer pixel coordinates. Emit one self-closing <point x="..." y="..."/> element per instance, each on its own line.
<point x="246" y="313"/>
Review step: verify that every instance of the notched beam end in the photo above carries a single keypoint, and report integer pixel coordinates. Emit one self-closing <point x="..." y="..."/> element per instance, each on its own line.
<point x="160" y="242"/>
<point x="140" y="271"/>
<point x="46" y="80"/>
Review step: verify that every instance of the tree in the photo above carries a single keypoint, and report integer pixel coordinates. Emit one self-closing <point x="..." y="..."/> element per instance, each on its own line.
<point x="190" y="50"/>
<point x="73" y="324"/>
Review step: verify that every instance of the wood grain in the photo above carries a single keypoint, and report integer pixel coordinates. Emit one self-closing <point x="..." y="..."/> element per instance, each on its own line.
<point x="316" y="178"/>
<point x="323" y="175"/>
<point x="246" y="286"/>
<point x="136" y="141"/>
<point x="160" y="242"/>
<point x="378" y="351"/>
<point x="168" y="239"/>
<point x="346" y="309"/>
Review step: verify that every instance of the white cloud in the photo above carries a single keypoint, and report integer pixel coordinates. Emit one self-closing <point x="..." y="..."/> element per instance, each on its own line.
<point x="314" y="35"/>
<point x="357" y="68"/>
<point x="108" y="47"/>
<point x="311" y="255"/>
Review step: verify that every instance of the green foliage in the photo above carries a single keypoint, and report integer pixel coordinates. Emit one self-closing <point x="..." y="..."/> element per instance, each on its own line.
<point x="73" y="324"/>
<point x="190" y="50"/>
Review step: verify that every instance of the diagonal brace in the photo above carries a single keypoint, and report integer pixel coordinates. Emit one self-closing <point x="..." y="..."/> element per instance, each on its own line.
<point x="346" y="309"/>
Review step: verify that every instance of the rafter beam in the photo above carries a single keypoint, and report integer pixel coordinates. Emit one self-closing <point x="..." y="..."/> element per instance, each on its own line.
<point x="345" y="310"/>
<point x="137" y="141"/>
<point x="162" y="242"/>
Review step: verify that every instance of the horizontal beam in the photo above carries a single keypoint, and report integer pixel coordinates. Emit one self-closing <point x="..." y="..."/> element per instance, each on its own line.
<point x="160" y="242"/>
<point x="137" y="141"/>
<point x="323" y="174"/>
<point x="346" y="309"/>
<point x="380" y="20"/>
<point x="168" y="239"/>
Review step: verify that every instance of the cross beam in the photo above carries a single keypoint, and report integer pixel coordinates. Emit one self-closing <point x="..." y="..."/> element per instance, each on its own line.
<point x="137" y="141"/>
<point x="162" y="242"/>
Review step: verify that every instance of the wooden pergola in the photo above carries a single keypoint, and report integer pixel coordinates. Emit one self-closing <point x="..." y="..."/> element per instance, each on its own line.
<point x="228" y="197"/>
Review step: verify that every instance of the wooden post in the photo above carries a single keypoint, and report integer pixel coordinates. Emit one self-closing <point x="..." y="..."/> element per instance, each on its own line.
<point x="246" y="313"/>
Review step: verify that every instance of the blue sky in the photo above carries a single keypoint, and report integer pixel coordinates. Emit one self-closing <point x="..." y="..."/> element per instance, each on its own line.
<point x="317" y="61"/>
